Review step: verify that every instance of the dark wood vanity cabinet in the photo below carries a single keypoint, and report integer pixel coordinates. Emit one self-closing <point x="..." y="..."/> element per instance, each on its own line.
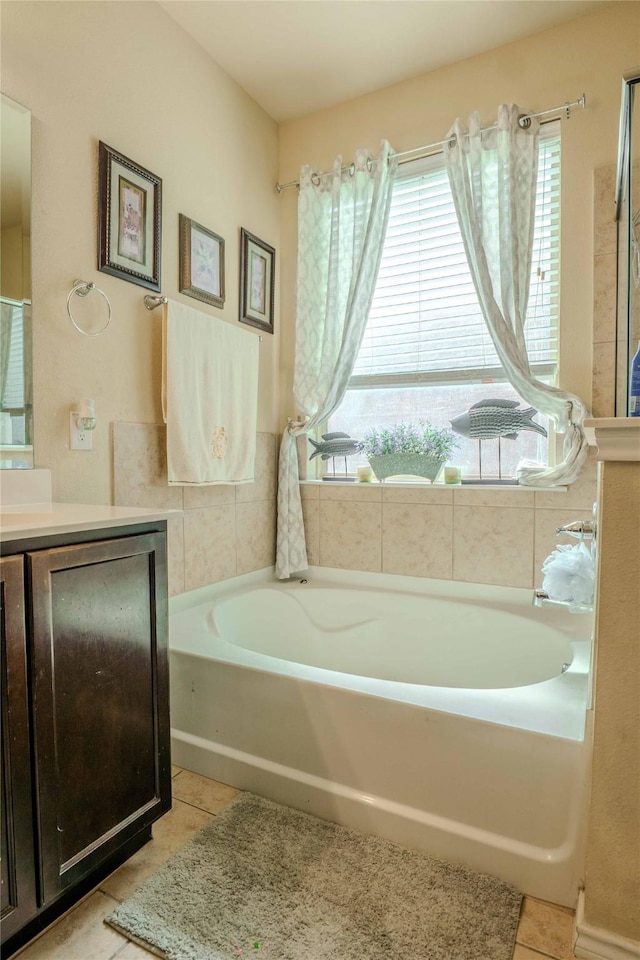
<point x="19" y="901"/>
<point x="85" y="715"/>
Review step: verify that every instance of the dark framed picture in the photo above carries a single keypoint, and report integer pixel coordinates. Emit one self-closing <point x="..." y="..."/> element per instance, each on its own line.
<point x="257" y="281"/>
<point x="129" y="219"/>
<point x="201" y="262"/>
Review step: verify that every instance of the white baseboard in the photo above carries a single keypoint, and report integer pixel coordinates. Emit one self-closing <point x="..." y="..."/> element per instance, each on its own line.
<point x="593" y="943"/>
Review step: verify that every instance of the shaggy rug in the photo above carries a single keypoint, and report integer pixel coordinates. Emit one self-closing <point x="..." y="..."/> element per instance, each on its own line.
<point x="268" y="882"/>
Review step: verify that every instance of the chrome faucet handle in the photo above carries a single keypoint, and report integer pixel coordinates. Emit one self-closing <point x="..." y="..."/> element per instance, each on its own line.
<point x="540" y="597"/>
<point x="580" y="529"/>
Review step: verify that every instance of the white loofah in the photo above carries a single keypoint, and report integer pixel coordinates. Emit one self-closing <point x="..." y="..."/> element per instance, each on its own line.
<point x="569" y="575"/>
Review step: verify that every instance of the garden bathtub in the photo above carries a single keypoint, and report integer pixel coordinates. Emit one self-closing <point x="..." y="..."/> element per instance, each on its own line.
<point x="450" y="718"/>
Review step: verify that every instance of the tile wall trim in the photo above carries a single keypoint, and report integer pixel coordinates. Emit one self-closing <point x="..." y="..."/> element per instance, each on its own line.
<point x="603" y="332"/>
<point x="615" y="438"/>
<point x="594" y="943"/>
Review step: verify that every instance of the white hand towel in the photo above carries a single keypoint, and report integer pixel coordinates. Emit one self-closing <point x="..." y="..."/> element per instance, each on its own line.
<point x="209" y="398"/>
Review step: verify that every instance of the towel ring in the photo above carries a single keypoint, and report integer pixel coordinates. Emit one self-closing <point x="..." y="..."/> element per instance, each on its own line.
<point x="82" y="289"/>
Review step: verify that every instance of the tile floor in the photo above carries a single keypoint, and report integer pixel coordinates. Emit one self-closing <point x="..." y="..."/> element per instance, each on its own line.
<point x="545" y="930"/>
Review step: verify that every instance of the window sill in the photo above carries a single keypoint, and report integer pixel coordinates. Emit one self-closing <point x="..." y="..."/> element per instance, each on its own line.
<point x="413" y="484"/>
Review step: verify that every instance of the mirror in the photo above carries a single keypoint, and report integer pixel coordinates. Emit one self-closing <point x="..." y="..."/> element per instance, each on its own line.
<point x="628" y="217"/>
<point x="16" y="394"/>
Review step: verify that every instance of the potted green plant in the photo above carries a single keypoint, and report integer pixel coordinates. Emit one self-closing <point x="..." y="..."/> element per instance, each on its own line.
<point x="408" y="449"/>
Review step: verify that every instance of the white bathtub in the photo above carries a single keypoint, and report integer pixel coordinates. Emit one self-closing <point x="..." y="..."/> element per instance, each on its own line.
<point x="433" y="713"/>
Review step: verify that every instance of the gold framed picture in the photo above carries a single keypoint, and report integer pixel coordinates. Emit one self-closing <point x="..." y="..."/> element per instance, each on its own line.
<point x="201" y="262"/>
<point x="257" y="281"/>
<point x="129" y="219"/>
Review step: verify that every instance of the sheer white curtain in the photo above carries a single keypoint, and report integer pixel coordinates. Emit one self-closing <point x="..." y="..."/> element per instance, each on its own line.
<point x="342" y="222"/>
<point x="493" y="177"/>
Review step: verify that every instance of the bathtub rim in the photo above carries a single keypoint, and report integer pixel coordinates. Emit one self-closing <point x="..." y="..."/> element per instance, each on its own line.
<point x="337" y="576"/>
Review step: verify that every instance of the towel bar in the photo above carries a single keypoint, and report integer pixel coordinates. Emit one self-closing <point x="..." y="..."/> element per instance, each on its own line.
<point x="152" y="302"/>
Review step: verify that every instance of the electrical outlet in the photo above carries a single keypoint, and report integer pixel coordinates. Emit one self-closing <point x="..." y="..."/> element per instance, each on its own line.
<point x="80" y="439"/>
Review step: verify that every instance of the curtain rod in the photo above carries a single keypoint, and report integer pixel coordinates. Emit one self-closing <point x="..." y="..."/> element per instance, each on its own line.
<point x="524" y="120"/>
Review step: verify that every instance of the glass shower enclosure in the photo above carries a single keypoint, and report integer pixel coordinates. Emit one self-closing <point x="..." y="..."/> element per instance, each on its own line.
<point x="628" y="222"/>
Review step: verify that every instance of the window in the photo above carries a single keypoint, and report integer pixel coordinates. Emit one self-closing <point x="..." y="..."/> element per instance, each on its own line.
<point x="426" y="351"/>
<point x="14" y="323"/>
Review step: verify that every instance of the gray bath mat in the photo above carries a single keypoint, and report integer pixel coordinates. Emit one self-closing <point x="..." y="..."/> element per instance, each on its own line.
<point x="267" y="882"/>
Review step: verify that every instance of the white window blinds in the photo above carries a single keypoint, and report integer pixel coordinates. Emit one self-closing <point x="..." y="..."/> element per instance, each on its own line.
<point x="425" y="323"/>
<point x="12" y="355"/>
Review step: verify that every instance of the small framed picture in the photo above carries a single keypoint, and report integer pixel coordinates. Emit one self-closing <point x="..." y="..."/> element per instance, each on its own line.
<point x="257" y="281"/>
<point x="129" y="219"/>
<point x="201" y="262"/>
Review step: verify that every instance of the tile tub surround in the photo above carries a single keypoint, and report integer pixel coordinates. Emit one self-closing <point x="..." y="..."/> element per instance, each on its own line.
<point x="604" y="292"/>
<point x="225" y="530"/>
<point x="481" y="535"/>
<point x="544" y="932"/>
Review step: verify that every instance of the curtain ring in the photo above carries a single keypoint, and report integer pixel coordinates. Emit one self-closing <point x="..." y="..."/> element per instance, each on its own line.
<point x="352" y="169"/>
<point x="315" y="179"/>
<point x="524" y="122"/>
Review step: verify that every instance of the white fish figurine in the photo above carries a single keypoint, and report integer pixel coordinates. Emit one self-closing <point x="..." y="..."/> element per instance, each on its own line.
<point x="334" y="445"/>
<point x="489" y="419"/>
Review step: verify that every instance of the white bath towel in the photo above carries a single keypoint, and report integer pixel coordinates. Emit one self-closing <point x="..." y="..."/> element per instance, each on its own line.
<point x="209" y="398"/>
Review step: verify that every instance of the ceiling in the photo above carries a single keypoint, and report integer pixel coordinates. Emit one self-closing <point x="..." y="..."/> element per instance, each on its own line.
<point x="297" y="56"/>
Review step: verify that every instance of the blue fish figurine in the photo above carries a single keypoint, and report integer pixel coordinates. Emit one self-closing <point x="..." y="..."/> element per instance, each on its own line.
<point x="334" y="445"/>
<point x="489" y="419"/>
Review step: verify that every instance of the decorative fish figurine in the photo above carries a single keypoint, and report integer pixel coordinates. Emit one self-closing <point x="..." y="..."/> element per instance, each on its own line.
<point x="335" y="445"/>
<point x="496" y="418"/>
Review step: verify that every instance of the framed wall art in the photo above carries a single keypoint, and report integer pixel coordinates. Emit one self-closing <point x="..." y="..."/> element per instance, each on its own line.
<point x="257" y="281"/>
<point x="201" y="262"/>
<point x="129" y="219"/>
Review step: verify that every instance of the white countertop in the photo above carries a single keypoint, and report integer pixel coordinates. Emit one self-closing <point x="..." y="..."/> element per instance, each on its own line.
<point x="38" y="519"/>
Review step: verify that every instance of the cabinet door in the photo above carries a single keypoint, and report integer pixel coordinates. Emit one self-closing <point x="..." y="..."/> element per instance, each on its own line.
<point x="18" y="866"/>
<point x="100" y="687"/>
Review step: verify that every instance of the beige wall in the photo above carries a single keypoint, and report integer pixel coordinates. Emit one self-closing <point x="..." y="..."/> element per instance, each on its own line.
<point x="612" y="890"/>
<point x="588" y="54"/>
<point x="125" y="73"/>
